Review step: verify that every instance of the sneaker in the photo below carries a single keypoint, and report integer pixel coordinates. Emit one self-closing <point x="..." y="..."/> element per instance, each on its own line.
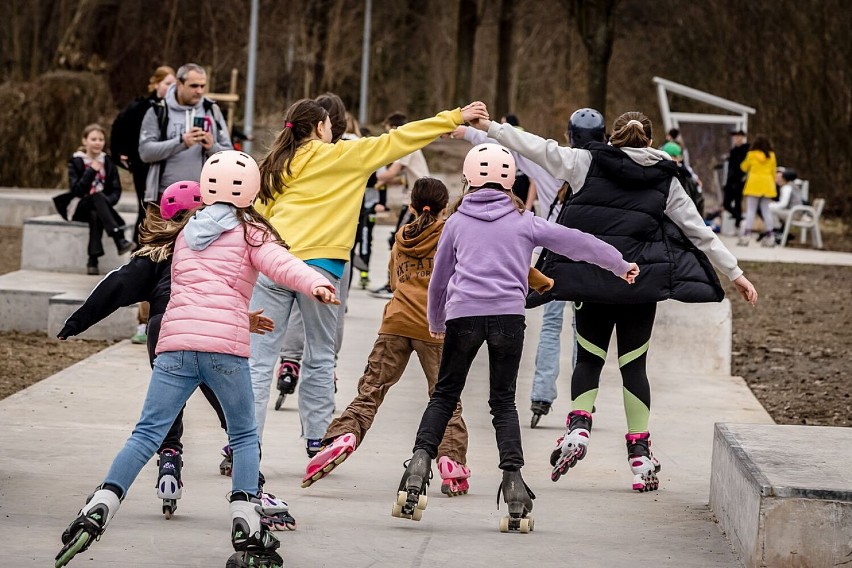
<point x="141" y="335"/>
<point x="313" y="447"/>
<point x="123" y="246"/>
<point x="384" y="292"/>
<point x="92" y="269"/>
<point x="743" y="241"/>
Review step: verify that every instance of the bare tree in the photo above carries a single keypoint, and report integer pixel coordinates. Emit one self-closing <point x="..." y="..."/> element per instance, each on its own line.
<point x="465" y="40"/>
<point x="595" y="21"/>
<point x="505" y="56"/>
<point x="86" y="42"/>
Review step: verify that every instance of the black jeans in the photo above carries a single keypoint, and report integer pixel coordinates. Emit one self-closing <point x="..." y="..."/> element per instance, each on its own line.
<point x="172" y="440"/>
<point x="505" y="338"/>
<point x="96" y="210"/>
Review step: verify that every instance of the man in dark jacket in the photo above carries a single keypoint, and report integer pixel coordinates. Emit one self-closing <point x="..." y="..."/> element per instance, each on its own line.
<point x="733" y="191"/>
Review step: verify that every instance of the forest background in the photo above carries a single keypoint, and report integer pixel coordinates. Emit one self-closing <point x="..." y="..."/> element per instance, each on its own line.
<point x="66" y="63"/>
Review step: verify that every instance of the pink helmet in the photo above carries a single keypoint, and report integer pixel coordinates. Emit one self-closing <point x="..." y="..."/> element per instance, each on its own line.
<point x="180" y="196"/>
<point x="489" y="163"/>
<point x="230" y="177"/>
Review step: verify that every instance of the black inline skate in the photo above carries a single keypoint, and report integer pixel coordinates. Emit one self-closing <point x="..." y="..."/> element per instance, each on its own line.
<point x="411" y="497"/>
<point x="169" y="484"/>
<point x="288" y="378"/>
<point x="539" y="408"/>
<point x="519" y="497"/>
<point x="254" y="544"/>
<point x="89" y="525"/>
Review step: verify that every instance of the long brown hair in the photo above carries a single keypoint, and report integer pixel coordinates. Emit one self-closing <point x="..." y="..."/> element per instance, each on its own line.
<point x="160" y="73"/>
<point x="762" y="144"/>
<point x="429" y="197"/>
<point x="300" y="122"/>
<point x="626" y="133"/>
<point x="336" y="113"/>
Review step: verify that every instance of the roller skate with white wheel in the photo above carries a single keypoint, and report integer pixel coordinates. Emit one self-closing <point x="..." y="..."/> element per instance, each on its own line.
<point x="89" y="524"/>
<point x="454" y="477"/>
<point x="328" y="458"/>
<point x="519" y="497"/>
<point x="169" y="484"/>
<point x="275" y="513"/>
<point x="227" y="464"/>
<point x="254" y="543"/>
<point x="539" y="408"/>
<point x="642" y="462"/>
<point x="571" y="447"/>
<point x="288" y="378"/>
<point x="411" y="497"/>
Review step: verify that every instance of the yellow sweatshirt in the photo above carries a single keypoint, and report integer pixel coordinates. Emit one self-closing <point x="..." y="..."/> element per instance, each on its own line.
<point x="761" y="174"/>
<point x="316" y="211"/>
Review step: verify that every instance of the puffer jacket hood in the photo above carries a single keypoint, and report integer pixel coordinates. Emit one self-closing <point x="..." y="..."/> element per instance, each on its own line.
<point x="208" y="224"/>
<point x="629" y="167"/>
<point x="487" y="204"/>
<point x="423" y="245"/>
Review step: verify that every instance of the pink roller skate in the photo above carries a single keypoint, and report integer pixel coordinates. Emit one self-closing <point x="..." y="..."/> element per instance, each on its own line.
<point x="572" y="446"/>
<point x="453" y="477"/>
<point x="642" y="462"/>
<point x="329" y="458"/>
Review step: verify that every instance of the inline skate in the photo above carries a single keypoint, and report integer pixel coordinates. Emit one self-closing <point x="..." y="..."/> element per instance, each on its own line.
<point x="255" y="546"/>
<point x="571" y="447"/>
<point x="454" y="477"/>
<point x="642" y="462"/>
<point x="227" y="464"/>
<point x="328" y="458"/>
<point x="411" y="497"/>
<point x="169" y="484"/>
<point x="89" y="525"/>
<point x="539" y="408"/>
<point x="275" y="514"/>
<point x="288" y="378"/>
<point x="519" y="498"/>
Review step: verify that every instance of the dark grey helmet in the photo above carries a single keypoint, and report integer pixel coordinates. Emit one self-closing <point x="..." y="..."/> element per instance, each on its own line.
<point x="586" y="125"/>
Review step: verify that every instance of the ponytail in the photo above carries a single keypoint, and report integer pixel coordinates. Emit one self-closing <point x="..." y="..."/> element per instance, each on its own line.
<point x="632" y="130"/>
<point x="300" y="122"/>
<point x="429" y="197"/>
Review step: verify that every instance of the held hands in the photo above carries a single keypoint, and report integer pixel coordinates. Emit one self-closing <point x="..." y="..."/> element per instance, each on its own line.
<point x="325" y="295"/>
<point x="475" y="112"/>
<point x="630" y="275"/>
<point x="458" y="132"/>
<point x="260" y="324"/>
<point x="746" y="290"/>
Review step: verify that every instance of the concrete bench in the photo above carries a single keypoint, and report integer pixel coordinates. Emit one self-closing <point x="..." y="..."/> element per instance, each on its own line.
<point x="38" y="301"/>
<point x="52" y="243"/>
<point x="783" y="494"/>
<point x="18" y="204"/>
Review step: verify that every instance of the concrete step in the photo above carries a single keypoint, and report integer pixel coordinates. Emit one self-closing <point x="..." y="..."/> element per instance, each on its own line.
<point x="19" y="204"/>
<point x="52" y="243"/>
<point x="783" y="494"/>
<point x="41" y="301"/>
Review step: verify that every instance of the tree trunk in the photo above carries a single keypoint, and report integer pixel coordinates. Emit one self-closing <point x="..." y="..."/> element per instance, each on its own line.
<point x="86" y="42"/>
<point x="505" y="58"/>
<point x="465" y="40"/>
<point x="595" y="20"/>
<point x="318" y="17"/>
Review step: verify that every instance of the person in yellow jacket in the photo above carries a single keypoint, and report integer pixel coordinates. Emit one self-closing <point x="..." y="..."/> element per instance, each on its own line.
<point x="311" y="192"/>
<point x="759" y="191"/>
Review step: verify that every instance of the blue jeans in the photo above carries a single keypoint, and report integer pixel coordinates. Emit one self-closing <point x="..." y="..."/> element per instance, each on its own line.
<point x="547" y="355"/>
<point x="316" y="377"/>
<point x="176" y="376"/>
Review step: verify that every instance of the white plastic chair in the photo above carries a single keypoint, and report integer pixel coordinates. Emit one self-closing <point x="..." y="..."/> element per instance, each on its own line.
<point x="806" y="217"/>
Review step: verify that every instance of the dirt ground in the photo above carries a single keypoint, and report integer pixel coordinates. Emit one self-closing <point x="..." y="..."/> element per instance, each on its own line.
<point x="793" y="349"/>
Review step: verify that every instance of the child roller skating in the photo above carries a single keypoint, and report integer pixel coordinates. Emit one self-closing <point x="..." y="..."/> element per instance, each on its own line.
<point x="489" y="222"/>
<point x="539" y="408"/>
<point x="169" y="484"/>
<point x="89" y="525"/>
<point x="571" y="447"/>
<point x="648" y="214"/>
<point x="453" y="477"/>
<point x="288" y="378"/>
<point x="519" y="498"/>
<point x="411" y="498"/>
<point x="255" y="545"/>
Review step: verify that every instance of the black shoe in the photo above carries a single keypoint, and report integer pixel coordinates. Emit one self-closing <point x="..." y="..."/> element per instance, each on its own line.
<point x="124" y="246"/>
<point x="92" y="270"/>
<point x="384" y="292"/>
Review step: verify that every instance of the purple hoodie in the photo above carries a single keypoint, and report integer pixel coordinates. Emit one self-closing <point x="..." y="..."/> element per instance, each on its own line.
<point x="483" y="257"/>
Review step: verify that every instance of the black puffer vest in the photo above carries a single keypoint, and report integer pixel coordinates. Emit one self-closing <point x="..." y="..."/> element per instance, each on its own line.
<point x="623" y="203"/>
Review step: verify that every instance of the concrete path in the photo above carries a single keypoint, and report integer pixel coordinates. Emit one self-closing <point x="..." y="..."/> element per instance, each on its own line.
<point x="757" y="253"/>
<point x="59" y="437"/>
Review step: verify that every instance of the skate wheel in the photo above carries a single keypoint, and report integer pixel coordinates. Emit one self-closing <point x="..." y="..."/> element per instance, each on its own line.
<point x="555" y="475"/>
<point x="280" y="401"/>
<point x="421" y="502"/>
<point x="525" y="525"/>
<point x="416" y="514"/>
<point x="401" y="498"/>
<point x="532" y="524"/>
<point x="504" y="524"/>
<point x="534" y="421"/>
<point x="396" y="511"/>
<point x="71" y="550"/>
<point x="167" y="511"/>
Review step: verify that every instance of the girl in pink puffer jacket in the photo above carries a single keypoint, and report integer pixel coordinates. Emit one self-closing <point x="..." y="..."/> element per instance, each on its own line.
<point x="204" y="338"/>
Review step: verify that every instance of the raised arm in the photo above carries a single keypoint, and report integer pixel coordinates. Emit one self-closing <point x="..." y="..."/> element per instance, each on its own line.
<point x="578" y="245"/>
<point x="284" y="269"/>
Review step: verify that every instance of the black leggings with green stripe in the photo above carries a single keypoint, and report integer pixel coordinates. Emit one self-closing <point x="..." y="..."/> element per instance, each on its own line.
<point x="633" y="324"/>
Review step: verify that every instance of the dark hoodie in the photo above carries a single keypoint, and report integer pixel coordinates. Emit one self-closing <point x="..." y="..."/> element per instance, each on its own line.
<point x="410" y="269"/>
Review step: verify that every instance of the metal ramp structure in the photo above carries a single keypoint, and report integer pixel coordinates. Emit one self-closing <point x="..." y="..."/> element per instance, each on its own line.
<point x="672" y="119"/>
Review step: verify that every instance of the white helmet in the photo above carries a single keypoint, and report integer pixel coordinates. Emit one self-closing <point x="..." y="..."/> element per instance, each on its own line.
<point x="230" y="177"/>
<point x="489" y="163"/>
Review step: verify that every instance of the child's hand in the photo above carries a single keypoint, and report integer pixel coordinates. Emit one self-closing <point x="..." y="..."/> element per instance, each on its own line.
<point x="630" y="275"/>
<point x="260" y="324"/>
<point x="746" y="290"/>
<point x="325" y="295"/>
<point x="458" y="132"/>
<point x="475" y="112"/>
<point x="437" y="334"/>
